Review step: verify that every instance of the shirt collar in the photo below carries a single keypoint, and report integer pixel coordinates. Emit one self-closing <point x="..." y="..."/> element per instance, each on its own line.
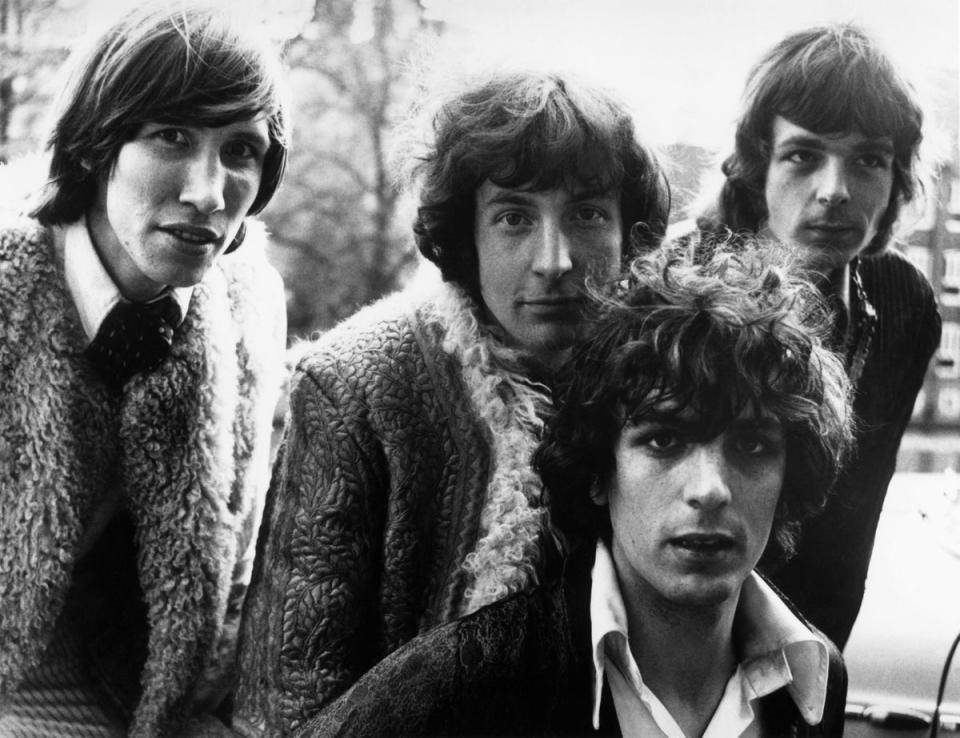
<point x="92" y="288"/>
<point x="776" y="648"/>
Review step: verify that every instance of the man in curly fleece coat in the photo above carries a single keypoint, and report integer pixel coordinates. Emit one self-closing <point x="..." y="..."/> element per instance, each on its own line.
<point x="138" y="373"/>
<point x="404" y="496"/>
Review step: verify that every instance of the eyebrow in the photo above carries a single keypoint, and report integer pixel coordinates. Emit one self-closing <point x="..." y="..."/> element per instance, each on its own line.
<point x="871" y="145"/>
<point x="522" y="197"/>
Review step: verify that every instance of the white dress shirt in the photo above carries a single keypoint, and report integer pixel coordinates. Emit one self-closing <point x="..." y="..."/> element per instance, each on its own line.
<point x="776" y="648"/>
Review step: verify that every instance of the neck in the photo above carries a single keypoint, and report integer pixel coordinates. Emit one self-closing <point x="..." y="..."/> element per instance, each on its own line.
<point x="685" y="655"/>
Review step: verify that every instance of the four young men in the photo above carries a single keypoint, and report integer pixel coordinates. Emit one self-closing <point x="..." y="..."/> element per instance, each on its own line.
<point x="701" y="421"/>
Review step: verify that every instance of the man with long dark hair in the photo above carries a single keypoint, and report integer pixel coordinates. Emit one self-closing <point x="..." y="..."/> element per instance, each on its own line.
<point x="825" y="158"/>
<point x="139" y="368"/>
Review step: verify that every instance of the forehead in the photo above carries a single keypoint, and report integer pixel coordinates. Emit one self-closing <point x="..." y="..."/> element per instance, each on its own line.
<point x="787" y="133"/>
<point x="670" y="410"/>
<point x="490" y="193"/>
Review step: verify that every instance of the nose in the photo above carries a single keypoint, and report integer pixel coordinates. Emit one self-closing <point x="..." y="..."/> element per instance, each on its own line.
<point x="706" y="486"/>
<point x="832" y="183"/>
<point x="204" y="182"/>
<point x="552" y="257"/>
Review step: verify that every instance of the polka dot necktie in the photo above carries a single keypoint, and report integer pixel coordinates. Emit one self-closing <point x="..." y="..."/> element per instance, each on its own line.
<point x="134" y="338"/>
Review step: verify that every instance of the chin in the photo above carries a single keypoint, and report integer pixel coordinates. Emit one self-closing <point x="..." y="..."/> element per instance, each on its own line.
<point x="703" y="594"/>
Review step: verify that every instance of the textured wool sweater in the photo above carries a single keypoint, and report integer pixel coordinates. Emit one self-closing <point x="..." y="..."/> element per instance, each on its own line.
<point x="402" y="499"/>
<point x="157" y="599"/>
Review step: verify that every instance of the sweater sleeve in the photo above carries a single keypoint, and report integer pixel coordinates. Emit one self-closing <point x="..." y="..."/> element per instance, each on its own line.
<point x="309" y="625"/>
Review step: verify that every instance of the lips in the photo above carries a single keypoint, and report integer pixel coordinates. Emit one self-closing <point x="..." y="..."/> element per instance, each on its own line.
<point x="832" y="228"/>
<point x="557" y="301"/>
<point x="704" y="544"/>
<point x="192" y="234"/>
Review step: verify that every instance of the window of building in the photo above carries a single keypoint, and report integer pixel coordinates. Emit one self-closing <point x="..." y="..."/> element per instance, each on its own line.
<point x="947" y="360"/>
<point x="948" y="403"/>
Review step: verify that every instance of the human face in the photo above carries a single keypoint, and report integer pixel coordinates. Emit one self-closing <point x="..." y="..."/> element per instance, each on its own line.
<point x="691" y="516"/>
<point x="535" y="249"/>
<point x="174" y="201"/>
<point x="826" y="193"/>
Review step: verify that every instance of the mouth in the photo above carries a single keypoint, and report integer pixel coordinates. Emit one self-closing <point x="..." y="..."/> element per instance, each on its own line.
<point x="548" y="302"/>
<point x="191" y="234"/>
<point x="831" y="228"/>
<point x="704" y="544"/>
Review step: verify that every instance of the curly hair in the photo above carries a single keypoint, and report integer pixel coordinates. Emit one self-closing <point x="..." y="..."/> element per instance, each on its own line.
<point x="741" y="331"/>
<point x="538" y="131"/>
<point x="187" y="65"/>
<point x="829" y="79"/>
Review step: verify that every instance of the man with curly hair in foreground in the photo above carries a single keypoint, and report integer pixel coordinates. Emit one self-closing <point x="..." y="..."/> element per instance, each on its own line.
<point x="698" y="424"/>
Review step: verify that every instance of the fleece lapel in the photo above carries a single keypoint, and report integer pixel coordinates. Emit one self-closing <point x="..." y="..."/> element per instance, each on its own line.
<point x="177" y="432"/>
<point x="48" y="482"/>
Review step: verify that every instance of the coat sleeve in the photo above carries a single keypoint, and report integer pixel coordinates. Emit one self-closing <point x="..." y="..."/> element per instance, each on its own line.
<point x="310" y="620"/>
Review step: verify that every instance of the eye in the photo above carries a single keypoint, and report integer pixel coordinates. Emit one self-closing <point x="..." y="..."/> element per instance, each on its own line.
<point x="513" y="219"/>
<point x="874" y="161"/>
<point x="755" y="443"/>
<point x="175" y="136"/>
<point x="800" y="156"/>
<point x="662" y="440"/>
<point x="240" y="149"/>
<point x="590" y="214"/>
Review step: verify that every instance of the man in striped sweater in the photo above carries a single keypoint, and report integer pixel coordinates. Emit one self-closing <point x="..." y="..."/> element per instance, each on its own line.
<point x="825" y="156"/>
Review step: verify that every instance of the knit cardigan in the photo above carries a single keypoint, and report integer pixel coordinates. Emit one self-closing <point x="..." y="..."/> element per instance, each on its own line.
<point x="827" y="576"/>
<point x="188" y="447"/>
<point x="403" y="498"/>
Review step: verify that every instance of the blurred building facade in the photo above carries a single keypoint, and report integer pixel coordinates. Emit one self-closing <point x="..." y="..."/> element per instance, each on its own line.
<point x="932" y="443"/>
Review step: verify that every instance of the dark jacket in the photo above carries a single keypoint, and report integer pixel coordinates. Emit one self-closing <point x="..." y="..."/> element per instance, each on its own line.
<point x="522" y="666"/>
<point x="826" y="577"/>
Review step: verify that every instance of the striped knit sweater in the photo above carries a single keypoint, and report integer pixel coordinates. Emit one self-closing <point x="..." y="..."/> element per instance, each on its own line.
<point x="826" y="577"/>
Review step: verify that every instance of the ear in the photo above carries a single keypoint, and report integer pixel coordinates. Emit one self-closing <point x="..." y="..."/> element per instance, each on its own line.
<point x="598" y="493"/>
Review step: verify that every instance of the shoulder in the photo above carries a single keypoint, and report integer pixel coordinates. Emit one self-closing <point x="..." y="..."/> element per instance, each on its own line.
<point x="889" y="276"/>
<point x="28" y="264"/>
<point x="904" y="299"/>
<point x="400" y="335"/>
<point x="500" y="668"/>
<point x="24" y="245"/>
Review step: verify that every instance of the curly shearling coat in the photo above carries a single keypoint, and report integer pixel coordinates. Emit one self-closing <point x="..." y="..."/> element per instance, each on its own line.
<point x="188" y="447"/>
<point x="403" y="498"/>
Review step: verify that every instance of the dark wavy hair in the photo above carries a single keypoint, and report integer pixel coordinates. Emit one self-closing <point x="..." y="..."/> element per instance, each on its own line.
<point x="190" y="66"/>
<point x="539" y="131"/>
<point x="741" y="331"/>
<point x="830" y="79"/>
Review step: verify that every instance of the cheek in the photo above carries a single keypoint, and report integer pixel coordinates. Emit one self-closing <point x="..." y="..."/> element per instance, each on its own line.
<point x="241" y="191"/>
<point x="497" y="269"/>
